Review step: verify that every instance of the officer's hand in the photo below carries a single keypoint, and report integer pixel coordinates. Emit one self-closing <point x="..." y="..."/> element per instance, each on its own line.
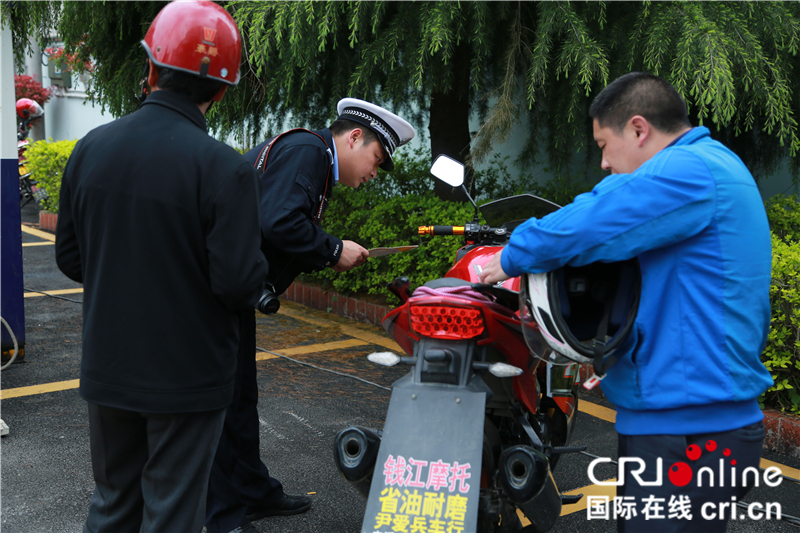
<point x="493" y="271"/>
<point x="353" y="255"/>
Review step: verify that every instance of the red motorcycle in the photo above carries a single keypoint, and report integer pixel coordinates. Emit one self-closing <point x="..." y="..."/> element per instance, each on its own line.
<point x="474" y="431"/>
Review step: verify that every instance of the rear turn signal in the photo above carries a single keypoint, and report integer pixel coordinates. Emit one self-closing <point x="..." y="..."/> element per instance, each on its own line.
<point x="453" y="323"/>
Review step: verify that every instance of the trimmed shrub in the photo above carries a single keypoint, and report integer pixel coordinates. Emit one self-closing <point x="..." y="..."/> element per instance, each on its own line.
<point x="387" y="212"/>
<point x="782" y="353"/>
<point x="783" y="213"/>
<point x="46" y="161"/>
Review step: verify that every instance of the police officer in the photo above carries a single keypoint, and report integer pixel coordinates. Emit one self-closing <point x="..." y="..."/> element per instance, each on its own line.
<point x="298" y="170"/>
<point x="157" y="220"/>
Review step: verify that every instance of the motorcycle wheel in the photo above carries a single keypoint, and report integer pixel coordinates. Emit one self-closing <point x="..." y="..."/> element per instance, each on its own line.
<point x="506" y="519"/>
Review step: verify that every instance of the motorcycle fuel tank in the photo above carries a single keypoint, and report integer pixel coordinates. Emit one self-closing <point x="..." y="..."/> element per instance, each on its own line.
<point x="428" y="468"/>
<point x="470" y="264"/>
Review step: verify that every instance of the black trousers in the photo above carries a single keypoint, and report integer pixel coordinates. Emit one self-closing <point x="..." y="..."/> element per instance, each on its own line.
<point x="239" y="479"/>
<point x="692" y="483"/>
<point x="150" y="470"/>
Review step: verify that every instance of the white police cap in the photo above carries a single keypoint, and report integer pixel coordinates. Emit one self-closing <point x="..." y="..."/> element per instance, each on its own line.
<point x="393" y="132"/>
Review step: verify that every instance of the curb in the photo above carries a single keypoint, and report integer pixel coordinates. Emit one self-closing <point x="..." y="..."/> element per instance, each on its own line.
<point x="47" y="221"/>
<point x="333" y="302"/>
<point x="782" y="430"/>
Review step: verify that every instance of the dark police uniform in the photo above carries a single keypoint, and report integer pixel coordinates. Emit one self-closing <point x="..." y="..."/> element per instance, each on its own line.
<point x="157" y="220"/>
<point x="296" y="183"/>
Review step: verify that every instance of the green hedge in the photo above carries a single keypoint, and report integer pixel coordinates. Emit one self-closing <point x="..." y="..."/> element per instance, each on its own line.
<point x="782" y="353"/>
<point x="387" y="212"/>
<point x="46" y="161"/>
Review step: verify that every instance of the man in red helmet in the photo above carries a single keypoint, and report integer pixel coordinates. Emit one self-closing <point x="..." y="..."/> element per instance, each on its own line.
<point x="159" y="222"/>
<point x="27" y="111"/>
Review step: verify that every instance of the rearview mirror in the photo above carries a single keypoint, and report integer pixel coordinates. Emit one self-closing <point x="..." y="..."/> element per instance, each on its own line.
<point x="448" y="170"/>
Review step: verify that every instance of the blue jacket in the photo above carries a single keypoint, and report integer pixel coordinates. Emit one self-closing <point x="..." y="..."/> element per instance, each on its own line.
<point x="694" y="217"/>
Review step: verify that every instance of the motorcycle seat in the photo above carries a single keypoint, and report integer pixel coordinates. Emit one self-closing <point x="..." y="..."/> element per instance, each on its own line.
<point x="446" y="282"/>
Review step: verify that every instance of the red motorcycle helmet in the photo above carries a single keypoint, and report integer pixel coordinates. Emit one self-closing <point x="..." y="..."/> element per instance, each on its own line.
<point x="28" y="109"/>
<point x="198" y="37"/>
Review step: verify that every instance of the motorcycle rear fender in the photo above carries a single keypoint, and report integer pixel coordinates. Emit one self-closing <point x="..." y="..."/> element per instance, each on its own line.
<point x="429" y="424"/>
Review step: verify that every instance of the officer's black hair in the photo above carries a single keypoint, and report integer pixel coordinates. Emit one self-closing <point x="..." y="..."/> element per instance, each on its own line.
<point x="342" y="125"/>
<point x="640" y="93"/>
<point x="198" y="90"/>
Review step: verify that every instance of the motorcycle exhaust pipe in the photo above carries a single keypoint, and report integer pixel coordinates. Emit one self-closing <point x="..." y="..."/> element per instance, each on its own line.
<point x="525" y="476"/>
<point x="355" y="451"/>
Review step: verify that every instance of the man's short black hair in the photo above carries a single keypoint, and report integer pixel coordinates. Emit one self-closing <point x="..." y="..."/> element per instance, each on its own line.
<point x="640" y="93"/>
<point x="342" y="125"/>
<point x="198" y="90"/>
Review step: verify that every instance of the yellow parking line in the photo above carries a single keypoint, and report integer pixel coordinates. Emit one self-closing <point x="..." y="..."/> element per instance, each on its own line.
<point x="609" y="415"/>
<point x="589" y="490"/>
<point x="47" y="243"/>
<point x="260" y="356"/>
<point x="312" y="348"/>
<point x="365" y="336"/>
<point x="39" y="389"/>
<point x="57" y="292"/>
<point x="372" y="338"/>
<point x="39" y="233"/>
<point x="787" y="471"/>
<point x="284" y="310"/>
<point x="604" y="413"/>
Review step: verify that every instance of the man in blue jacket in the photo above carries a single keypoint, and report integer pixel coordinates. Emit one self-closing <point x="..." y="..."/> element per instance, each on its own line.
<point x="687" y="385"/>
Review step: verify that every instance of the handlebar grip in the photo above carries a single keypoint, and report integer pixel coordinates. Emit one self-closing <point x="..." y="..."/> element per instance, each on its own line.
<point x="441" y="230"/>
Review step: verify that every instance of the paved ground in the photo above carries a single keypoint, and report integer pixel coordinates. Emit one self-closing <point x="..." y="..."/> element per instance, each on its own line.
<point x="46" y="473"/>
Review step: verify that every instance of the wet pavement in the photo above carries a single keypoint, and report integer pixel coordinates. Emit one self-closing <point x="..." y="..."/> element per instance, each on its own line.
<point x="46" y="479"/>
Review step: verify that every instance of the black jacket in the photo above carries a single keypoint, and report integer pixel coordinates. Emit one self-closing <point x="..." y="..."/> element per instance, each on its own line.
<point x="158" y="221"/>
<point x="295" y="186"/>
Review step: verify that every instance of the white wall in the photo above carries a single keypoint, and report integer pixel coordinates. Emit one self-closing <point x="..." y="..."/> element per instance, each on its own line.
<point x="65" y="115"/>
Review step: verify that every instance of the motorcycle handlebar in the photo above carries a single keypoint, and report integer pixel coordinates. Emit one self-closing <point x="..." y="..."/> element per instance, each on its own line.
<point x="441" y="230"/>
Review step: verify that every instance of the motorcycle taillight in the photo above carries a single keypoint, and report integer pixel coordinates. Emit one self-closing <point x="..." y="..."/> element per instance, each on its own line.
<point x="442" y="322"/>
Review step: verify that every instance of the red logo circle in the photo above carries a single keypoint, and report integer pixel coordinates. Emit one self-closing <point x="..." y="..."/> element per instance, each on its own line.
<point x="680" y="474"/>
<point x="693" y="452"/>
<point x="711" y="445"/>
